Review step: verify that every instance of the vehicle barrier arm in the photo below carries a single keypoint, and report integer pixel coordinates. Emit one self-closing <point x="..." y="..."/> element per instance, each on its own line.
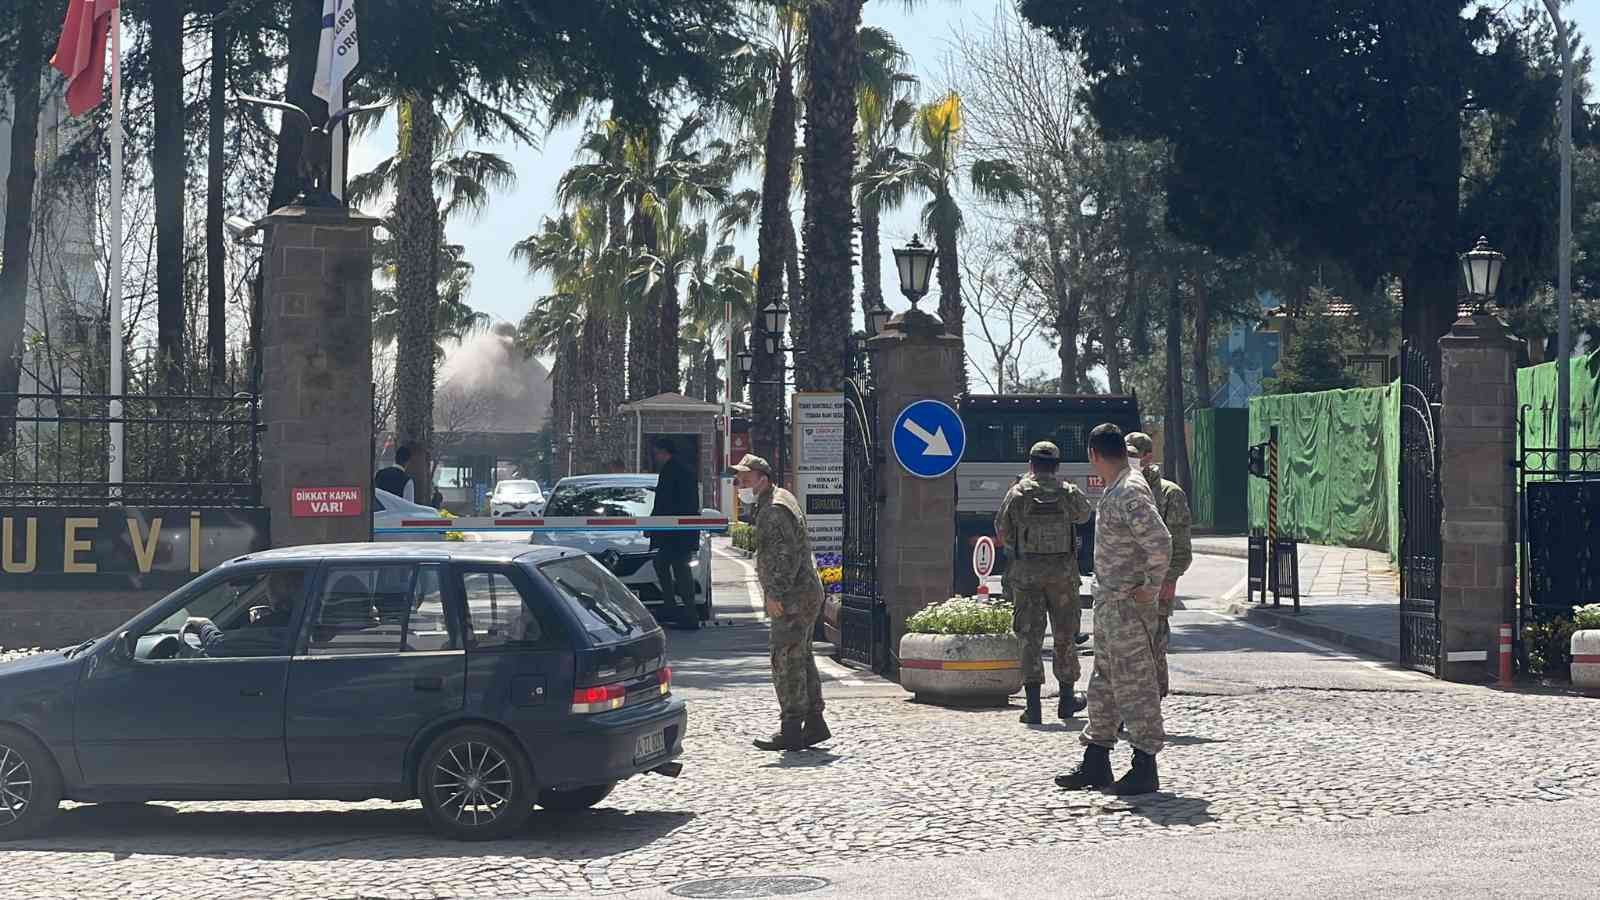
<point x="714" y="524"/>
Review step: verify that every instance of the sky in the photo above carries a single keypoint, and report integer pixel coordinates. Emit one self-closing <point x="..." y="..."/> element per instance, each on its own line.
<point x="503" y="289"/>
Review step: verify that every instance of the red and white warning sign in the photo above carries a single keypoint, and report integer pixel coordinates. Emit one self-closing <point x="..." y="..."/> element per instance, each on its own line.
<point x="324" y="502"/>
<point x="983" y="557"/>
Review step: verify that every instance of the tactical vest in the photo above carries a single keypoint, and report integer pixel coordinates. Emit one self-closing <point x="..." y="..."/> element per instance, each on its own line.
<point x="1046" y="528"/>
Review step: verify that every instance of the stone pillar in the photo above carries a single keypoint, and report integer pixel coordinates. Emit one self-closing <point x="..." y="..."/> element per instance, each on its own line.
<point x="1478" y="441"/>
<point x="316" y="371"/>
<point x="914" y="359"/>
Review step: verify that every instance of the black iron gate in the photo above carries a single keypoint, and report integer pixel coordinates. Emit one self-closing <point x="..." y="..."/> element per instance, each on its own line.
<point x="1560" y="519"/>
<point x="863" y="621"/>
<point x="1421" y="512"/>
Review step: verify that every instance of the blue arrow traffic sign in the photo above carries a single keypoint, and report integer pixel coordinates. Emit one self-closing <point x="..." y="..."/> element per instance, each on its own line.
<point x="928" y="439"/>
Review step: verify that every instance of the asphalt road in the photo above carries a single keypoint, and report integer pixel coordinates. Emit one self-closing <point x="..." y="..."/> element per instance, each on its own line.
<point x="1212" y="652"/>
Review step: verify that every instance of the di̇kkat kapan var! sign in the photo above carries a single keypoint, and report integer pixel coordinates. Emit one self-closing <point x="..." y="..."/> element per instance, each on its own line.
<point x="121" y="548"/>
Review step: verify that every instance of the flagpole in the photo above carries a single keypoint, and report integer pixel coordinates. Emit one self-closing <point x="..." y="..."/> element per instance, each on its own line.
<point x="336" y="170"/>
<point x="116" y="450"/>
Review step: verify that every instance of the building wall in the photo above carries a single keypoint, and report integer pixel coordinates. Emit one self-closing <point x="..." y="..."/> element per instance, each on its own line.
<point x="702" y="425"/>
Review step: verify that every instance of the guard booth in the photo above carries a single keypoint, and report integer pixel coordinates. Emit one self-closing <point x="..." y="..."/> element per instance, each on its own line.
<point x="691" y="425"/>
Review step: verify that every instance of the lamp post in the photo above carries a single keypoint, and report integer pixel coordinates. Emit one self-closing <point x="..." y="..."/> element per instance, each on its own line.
<point x="1564" y="254"/>
<point x="774" y="318"/>
<point x="915" y="265"/>
<point x="1480" y="267"/>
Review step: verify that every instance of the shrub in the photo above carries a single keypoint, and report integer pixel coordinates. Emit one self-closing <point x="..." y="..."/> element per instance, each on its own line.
<point x="743" y="535"/>
<point x="1587" y="617"/>
<point x="963" y="615"/>
<point x="1549" y="646"/>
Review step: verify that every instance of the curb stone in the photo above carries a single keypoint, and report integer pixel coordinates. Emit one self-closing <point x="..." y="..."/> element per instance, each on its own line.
<point x="1288" y="621"/>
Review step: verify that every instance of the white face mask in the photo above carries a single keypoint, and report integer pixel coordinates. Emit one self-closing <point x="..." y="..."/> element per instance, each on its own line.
<point x="747" y="495"/>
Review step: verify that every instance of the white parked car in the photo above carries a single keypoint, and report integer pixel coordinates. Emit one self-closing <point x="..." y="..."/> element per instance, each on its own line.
<point x="516" y="495"/>
<point x="626" y="553"/>
<point x="389" y="511"/>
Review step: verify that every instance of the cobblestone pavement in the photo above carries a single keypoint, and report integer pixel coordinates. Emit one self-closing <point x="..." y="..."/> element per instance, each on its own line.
<point x="900" y="781"/>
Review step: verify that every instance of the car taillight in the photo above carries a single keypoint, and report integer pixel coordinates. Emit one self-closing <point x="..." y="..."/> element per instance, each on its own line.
<point x="664" y="677"/>
<point x="601" y="698"/>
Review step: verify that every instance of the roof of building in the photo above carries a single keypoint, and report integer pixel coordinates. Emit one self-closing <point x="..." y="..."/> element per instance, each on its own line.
<point x="670" y="402"/>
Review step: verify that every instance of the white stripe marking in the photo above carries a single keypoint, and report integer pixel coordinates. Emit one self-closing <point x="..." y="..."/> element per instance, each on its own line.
<point x="1467" y="656"/>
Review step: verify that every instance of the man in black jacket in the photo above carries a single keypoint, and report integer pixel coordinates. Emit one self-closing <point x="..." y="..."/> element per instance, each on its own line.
<point x="677" y="494"/>
<point x="395" y="479"/>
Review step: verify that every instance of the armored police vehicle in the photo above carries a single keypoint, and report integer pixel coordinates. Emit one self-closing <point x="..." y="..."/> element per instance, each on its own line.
<point x="1000" y="429"/>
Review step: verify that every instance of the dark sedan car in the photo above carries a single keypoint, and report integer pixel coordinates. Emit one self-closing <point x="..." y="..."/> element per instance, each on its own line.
<point x="481" y="678"/>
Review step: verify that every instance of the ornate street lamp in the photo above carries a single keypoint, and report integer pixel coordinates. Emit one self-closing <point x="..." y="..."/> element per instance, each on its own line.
<point x="1481" y="266"/>
<point x="915" y="263"/>
<point x="877" y="318"/>
<point x="775" y="317"/>
<point x="747" y="362"/>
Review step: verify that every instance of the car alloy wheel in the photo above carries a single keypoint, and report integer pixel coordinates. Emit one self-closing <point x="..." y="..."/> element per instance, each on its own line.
<point x="16" y="786"/>
<point x="473" y="784"/>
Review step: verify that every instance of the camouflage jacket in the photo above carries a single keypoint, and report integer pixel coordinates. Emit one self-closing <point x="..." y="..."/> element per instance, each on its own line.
<point x="1008" y="522"/>
<point x="785" y="565"/>
<point x="1132" y="546"/>
<point x="1174" y="506"/>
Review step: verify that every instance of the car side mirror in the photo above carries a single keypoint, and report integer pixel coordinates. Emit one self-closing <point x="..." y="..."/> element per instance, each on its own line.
<point x="124" y="646"/>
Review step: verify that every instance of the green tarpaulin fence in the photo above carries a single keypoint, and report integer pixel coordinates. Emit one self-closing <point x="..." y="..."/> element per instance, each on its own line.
<point x="1339" y="453"/>
<point x="1338" y="466"/>
<point x="1536" y="400"/>
<point x="1219" y="500"/>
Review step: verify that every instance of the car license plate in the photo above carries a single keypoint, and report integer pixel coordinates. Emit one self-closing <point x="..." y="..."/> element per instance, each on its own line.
<point x="650" y="745"/>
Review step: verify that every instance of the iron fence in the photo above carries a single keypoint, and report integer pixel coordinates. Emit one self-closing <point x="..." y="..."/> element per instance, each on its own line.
<point x="1560" y="522"/>
<point x="190" y="450"/>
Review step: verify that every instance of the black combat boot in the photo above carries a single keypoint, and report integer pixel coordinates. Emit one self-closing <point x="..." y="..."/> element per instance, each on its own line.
<point x="815" y="730"/>
<point x="1093" y="772"/>
<point x="1141" y="779"/>
<point x="788" y="737"/>
<point x="1031" y="715"/>
<point x="1069" y="704"/>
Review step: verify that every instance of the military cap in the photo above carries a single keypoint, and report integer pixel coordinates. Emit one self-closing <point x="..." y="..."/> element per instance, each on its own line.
<point x="753" y="463"/>
<point x="1046" y="451"/>
<point x="1139" y="444"/>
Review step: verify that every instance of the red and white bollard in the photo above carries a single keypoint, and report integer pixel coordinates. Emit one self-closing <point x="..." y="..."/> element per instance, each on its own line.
<point x="1505" y="655"/>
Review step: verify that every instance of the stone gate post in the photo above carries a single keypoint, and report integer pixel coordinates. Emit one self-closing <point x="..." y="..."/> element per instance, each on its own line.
<point x="316" y="375"/>
<point x="914" y="359"/>
<point x="1478" y="440"/>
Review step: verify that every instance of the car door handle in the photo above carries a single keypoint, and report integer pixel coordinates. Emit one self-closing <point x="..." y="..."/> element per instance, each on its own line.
<point x="434" y="683"/>
<point x="249" y="692"/>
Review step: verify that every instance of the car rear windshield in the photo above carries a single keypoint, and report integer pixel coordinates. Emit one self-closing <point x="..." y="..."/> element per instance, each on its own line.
<point x="628" y="500"/>
<point x="608" y="610"/>
<point x="1007" y="435"/>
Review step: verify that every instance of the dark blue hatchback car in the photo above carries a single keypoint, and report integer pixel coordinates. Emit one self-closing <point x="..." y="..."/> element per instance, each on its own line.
<point x="481" y="678"/>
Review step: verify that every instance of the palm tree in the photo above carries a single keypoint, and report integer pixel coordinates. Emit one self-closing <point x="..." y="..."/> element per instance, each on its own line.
<point x="934" y="169"/>
<point x="573" y="251"/>
<point x="454" y="320"/>
<point x="651" y="175"/>
<point x="428" y="161"/>
<point x="720" y="297"/>
<point x="885" y="109"/>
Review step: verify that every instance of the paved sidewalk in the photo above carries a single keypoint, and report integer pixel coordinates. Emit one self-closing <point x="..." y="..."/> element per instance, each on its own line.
<point x="1348" y="597"/>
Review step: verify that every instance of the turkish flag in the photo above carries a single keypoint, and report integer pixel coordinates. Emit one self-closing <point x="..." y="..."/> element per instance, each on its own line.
<point x="81" y="53"/>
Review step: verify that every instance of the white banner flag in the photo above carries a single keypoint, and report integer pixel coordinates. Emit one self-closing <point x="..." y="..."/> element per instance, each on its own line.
<point x="338" y="53"/>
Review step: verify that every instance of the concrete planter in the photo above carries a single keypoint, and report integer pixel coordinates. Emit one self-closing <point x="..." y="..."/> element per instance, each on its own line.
<point x="1586" y="660"/>
<point x="961" y="669"/>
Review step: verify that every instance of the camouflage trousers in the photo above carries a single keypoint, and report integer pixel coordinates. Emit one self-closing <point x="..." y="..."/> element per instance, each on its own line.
<point x="794" y="667"/>
<point x="1041" y="591"/>
<point x="1123" y="688"/>
<point x="1163" y="639"/>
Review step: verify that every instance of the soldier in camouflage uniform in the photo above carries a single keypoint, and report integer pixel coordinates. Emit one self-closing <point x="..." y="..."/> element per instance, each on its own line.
<point x="1035" y="525"/>
<point x="1131" y="553"/>
<point x="1174" y="506"/>
<point x="788" y="574"/>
